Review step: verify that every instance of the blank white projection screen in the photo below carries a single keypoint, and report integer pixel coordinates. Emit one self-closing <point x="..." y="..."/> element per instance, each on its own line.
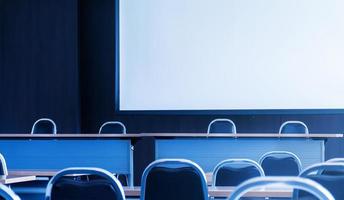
<point x="231" y="54"/>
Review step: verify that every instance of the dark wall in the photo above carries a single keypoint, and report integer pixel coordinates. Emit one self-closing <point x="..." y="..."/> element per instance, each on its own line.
<point x="38" y="64"/>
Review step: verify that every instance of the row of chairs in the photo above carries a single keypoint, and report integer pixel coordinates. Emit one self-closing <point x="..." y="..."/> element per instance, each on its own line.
<point x="46" y="125"/>
<point x="171" y="179"/>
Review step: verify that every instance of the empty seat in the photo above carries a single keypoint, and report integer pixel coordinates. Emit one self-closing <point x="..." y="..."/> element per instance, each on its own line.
<point x="326" y="174"/>
<point x="173" y="179"/>
<point x="232" y="172"/>
<point x="44" y="126"/>
<point x="307" y="185"/>
<point x="221" y="126"/>
<point x="280" y="163"/>
<point x="113" y="127"/>
<point x="294" y="127"/>
<point x="106" y="187"/>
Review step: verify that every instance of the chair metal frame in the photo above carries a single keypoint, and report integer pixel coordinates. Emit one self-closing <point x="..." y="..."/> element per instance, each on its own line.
<point x="319" y="168"/>
<point x="290" y="154"/>
<point x="234" y="161"/>
<point x="293" y="122"/>
<point x="87" y="171"/>
<point x="44" y="119"/>
<point x="113" y="122"/>
<point x="222" y="120"/>
<point x="7" y="193"/>
<point x="335" y="160"/>
<point x="4" y="165"/>
<point x="174" y="163"/>
<point x="282" y="181"/>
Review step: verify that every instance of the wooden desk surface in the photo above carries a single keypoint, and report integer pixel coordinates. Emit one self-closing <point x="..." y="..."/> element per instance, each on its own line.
<point x="169" y="135"/>
<point x="10" y="179"/>
<point x="226" y="192"/>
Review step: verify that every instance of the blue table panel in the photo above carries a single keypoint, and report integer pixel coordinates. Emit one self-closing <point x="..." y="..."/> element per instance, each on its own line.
<point x="207" y="152"/>
<point x="112" y="155"/>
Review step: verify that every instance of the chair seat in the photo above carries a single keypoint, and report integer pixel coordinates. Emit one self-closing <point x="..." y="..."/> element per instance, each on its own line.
<point x="69" y="189"/>
<point x="173" y="184"/>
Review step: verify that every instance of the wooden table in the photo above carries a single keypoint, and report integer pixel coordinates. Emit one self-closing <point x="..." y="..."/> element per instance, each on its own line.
<point x="10" y="179"/>
<point x="219" y="192"/>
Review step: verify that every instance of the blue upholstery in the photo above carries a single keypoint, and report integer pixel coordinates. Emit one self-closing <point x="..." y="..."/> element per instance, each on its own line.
<point x="221" y="126"/>
<point x="44" y="126"/>
<point x="232" y="172"/>
<point x="173" y="179"/>
<point x="113" y="127"/>
<point x="326" y="175"/>
<point x="294" y="127"/>
<point x="7" y="194"/>
<point x="277" y="163"/>
<point x="106" y="187"/>
<point x="303" y="184"/>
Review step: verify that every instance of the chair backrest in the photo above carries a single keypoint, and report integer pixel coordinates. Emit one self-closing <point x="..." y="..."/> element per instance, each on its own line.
<point x="7" y="194"/>
<point x="293" y="127"/>
<point x="3" y="166"/>
<point x="222" y="126"/>
<point x="232" y="172"/>
<point x="106" y="187"/>
<point x="280" y="163"/>
<point x="326" y="175"/>
<point x="44" y="126"/>
<point x="114" y="127"/>
<point x="171" y="179"/>
<point x="282" y="182"/>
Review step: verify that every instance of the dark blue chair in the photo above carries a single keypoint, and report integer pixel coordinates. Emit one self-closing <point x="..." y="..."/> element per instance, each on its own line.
<point x="173" y="179"/>
<point x="294" y="127"/>
<point x="312" y="187"/>
<point x="44" y="126"/>
<point x="113" y="127"/>
<point x="232" y="172"/>
<point x="3" y="166"/>
<point x="106" y="187"/>
<point x="280" y="163"/>
<point x="7" y="194"/>
<point x="326" y="175"/>
<point x="222" y="126"/>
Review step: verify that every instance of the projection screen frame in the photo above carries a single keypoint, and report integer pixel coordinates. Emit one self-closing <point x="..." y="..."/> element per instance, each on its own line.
<point x="197" y="112"/>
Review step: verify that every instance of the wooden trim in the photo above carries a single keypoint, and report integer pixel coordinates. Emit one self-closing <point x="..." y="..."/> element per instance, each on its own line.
<point x="226" y="192"/>
<point x="169" y="135"/>
<point x="16" y="179"/>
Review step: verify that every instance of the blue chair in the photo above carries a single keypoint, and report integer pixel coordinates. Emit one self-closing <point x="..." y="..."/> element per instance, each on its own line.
<point x="280" y="163"/>
<point x="222" y="126"/>
<point x="7" y="194"/>
<point x="294" y="127"/>
<point x="172" y="179"/>
<point x="44" y="126"/>
<point x="107" y="187"/>
<point x="327" y="175"/>
<point x="113" y="127"/>
<point x="3" y="166"/>
<point x="232" y="172"/>
<point x="295" y="182"/>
